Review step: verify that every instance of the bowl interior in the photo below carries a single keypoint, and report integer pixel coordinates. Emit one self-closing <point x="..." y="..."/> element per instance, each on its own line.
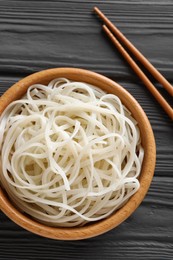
<point x="148" y="142"/>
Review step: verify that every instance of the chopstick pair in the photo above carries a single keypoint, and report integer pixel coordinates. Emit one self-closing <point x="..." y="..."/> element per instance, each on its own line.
<point x="114" y="34"/>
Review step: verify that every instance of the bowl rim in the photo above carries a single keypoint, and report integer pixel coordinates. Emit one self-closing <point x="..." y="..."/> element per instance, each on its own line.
<point x="17" y="90"/>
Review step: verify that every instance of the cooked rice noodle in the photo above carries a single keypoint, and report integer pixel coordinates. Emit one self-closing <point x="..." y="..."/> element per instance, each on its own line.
<point x="70" y="153"/>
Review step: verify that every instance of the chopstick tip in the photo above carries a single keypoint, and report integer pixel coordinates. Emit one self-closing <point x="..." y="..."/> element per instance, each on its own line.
<point x="96" y="10"/>
<point x="108" y="32"/>
<point x="105" y="28"/>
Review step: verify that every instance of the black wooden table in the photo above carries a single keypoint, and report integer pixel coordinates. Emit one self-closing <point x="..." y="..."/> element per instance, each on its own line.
<point x="36" y="35"/>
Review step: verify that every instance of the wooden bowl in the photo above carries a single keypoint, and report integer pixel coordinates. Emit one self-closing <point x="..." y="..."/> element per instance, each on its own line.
<point x="148" y="141"/>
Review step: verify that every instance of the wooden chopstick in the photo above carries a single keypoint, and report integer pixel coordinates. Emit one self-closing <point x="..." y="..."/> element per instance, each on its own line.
<point x="156" y="74"/>
<point x="140" y="73"/>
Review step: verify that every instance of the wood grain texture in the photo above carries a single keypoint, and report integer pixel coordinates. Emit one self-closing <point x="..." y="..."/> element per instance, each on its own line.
<point x="36" y="35"/>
